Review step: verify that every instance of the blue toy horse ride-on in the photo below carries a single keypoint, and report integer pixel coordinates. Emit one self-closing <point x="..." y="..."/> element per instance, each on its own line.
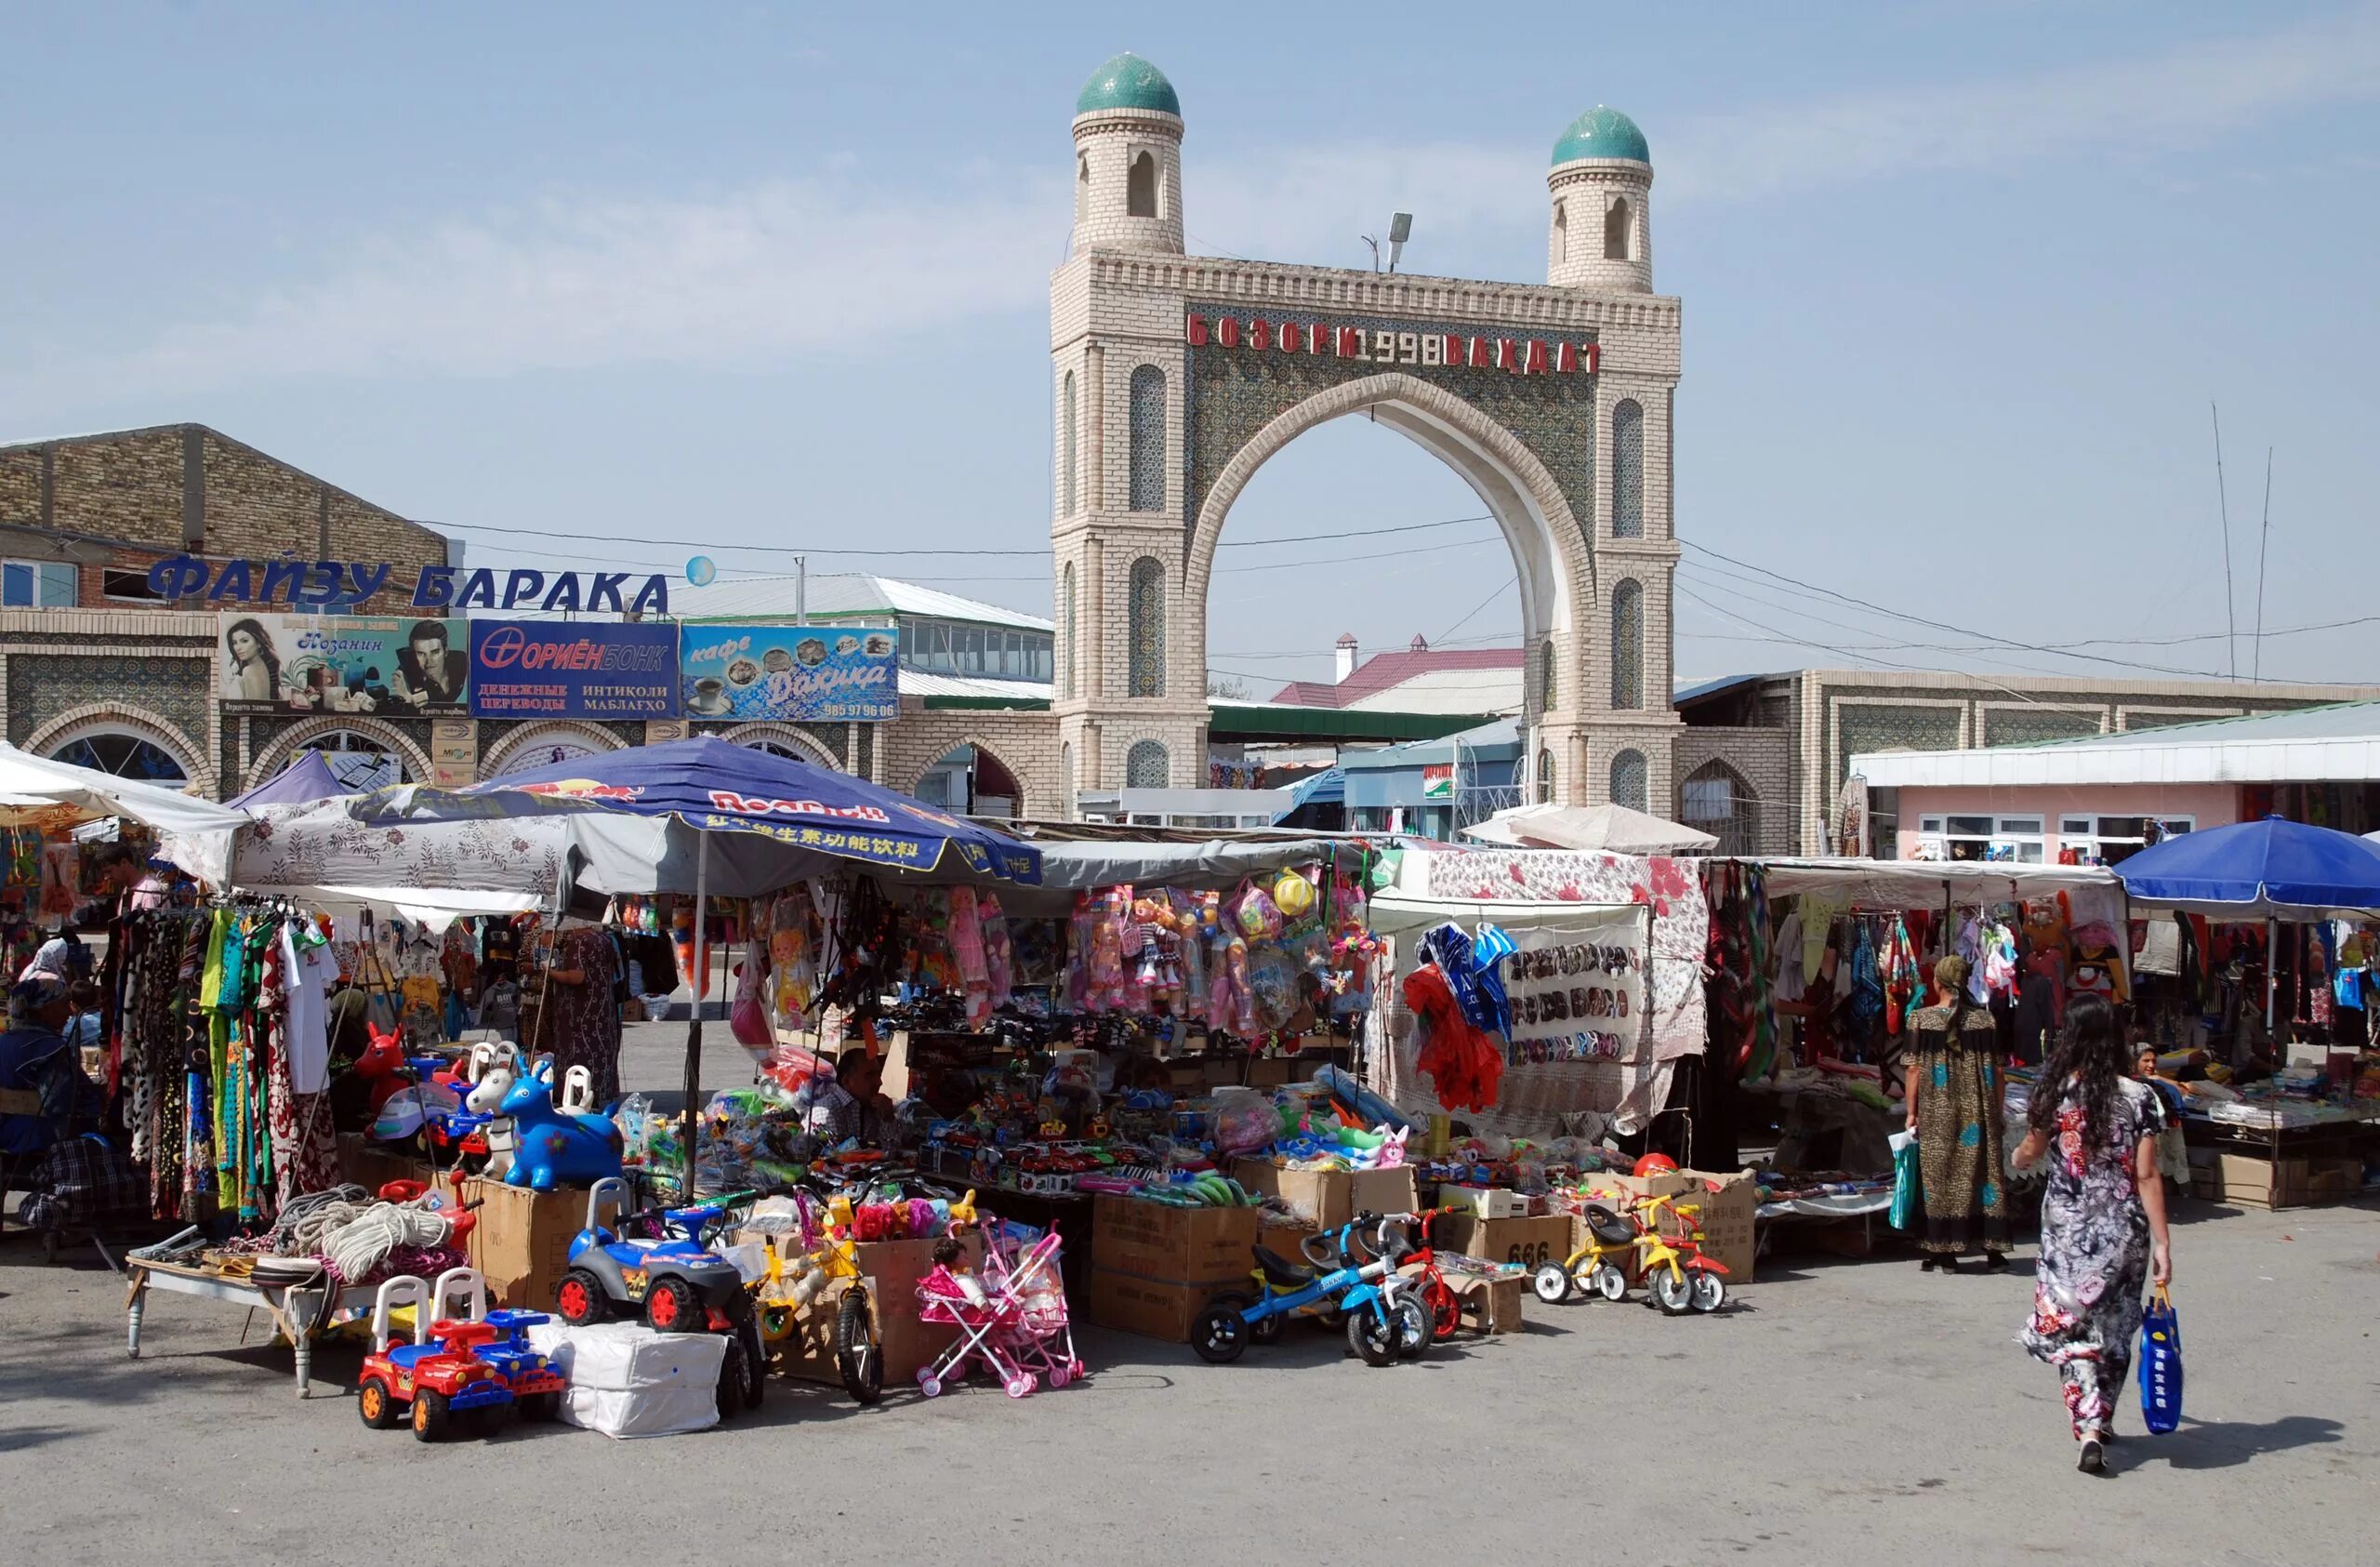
<point x="657" y="1264"/>
<point x="1352" y="1273"/>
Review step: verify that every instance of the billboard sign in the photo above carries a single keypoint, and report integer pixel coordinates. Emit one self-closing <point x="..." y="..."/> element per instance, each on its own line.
<point x="391" y="665"/>
<point x="801" y="674"/>
<point x="558" y="669"/>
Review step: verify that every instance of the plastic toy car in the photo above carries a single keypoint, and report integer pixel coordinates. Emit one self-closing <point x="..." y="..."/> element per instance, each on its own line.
<point x="438" y="1379"/>
<point x="676" y="1282"/>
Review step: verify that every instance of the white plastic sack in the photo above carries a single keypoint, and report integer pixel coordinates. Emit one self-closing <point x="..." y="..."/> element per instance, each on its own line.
<point x="627" y="1380"/>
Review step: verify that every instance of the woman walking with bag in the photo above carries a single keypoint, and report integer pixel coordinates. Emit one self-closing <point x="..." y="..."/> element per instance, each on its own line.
<point x="2103" y="1218"/>
<point x="1952" y="1092"/>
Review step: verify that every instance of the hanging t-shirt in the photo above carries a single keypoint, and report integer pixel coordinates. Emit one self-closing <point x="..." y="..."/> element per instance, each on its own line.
<point x="308" y="973"/>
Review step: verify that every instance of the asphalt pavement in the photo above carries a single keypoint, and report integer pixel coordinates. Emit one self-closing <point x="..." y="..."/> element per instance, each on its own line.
<point x="1839" y="1411"/>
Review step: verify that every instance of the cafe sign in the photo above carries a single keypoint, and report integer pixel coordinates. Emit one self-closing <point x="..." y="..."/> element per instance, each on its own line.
<point x="1429" y="351"/>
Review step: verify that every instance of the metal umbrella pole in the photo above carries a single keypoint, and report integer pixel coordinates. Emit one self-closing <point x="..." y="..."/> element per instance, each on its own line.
<point x="695" y="1021"/>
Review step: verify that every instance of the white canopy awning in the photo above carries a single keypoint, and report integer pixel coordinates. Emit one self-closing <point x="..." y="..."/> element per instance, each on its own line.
<point x="1618" y="827"/>
<point x="36" y="792"/>
<point x="1926" y="883"/>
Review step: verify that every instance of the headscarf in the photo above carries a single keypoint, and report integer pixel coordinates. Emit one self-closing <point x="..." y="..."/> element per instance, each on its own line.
<point x="55" y="958"/>
<point x="1950" y="977"/>
<point x="32" y="993"/>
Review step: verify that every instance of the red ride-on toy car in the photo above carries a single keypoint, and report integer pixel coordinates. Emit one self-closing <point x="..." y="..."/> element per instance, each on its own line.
<point x="454" y="1366"/>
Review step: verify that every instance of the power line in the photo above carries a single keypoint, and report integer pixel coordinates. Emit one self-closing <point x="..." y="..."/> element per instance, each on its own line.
<point x="1942" y="625"/>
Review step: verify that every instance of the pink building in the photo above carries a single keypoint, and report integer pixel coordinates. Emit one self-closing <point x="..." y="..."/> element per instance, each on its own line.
<point x="2103" y="798"/>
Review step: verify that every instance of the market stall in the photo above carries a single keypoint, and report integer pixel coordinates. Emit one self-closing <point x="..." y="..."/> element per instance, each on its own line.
<point x="1816" y="967"/>
<point x="2288" y="1111"/>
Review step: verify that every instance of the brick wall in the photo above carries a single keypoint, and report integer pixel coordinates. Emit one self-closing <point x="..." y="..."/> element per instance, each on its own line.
<point x="137" y="488"/>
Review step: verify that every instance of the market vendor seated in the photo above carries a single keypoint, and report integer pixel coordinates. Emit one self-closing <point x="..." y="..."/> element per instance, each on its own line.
<point x="854" y="1105"/>
<point x="35" y="1056"/>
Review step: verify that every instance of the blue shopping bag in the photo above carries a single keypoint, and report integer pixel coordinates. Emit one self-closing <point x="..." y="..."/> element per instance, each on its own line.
<point x="1909" y="1195"/>
<point x="2160" y="1365"/>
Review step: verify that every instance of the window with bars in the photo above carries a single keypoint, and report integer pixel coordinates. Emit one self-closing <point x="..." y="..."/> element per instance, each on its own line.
<point x="1548" y="693"/>
<point x="1148" y="439"/>
<point x="1630" y="779"/>
<point x="1628" y="469"/>
<point x="1628" y="644"/>
<point x="1715" y="799"/>
<point x="1146" y="626"/>
<point x="1146" y="765"/>
<point x="1545" y="778"/>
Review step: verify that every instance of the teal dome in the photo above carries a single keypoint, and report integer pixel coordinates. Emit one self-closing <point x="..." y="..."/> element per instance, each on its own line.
<point x="1602" y="133"/>
<point x="1129" y="82"/>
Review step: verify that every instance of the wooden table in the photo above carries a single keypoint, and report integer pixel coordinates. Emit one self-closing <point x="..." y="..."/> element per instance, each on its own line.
<point x="293" y="1310"/>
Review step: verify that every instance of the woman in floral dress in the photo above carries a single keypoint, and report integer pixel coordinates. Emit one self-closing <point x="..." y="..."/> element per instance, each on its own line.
<point x="2103" y="1219"/>
<point x="1952" y="1092"/>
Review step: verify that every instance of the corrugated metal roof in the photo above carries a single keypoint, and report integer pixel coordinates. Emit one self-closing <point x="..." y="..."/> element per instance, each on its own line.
<point x="918" y="682"/>
<point x="844" y="596"/>
<point x="2338" y="741"/>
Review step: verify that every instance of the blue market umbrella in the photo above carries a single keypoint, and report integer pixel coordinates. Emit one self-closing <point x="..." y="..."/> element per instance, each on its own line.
<point x="2269" y="869"/>
<point x="719" y="788"/>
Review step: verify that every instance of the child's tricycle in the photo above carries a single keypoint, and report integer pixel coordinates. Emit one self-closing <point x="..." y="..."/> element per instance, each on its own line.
<point x="1590" y="1269"/>
<point x="680" y="1285"/>
<point x="1354" y="1269"/>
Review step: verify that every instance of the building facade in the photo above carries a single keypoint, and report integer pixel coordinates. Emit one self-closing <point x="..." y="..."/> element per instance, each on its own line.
<point x="1764" y="759"/>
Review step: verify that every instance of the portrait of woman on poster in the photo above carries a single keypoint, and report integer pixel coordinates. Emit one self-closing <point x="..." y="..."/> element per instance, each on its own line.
<point x="252" y="666"/>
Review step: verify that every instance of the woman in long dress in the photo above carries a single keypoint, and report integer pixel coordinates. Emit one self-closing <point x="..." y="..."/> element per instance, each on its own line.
<point x="580" y="1019"/>
<point x="1951" y="1089"/>
<point x="2103" y="1219"/>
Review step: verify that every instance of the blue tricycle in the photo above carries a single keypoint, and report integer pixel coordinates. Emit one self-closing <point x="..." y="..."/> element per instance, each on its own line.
<point x="1352" y="1273"/>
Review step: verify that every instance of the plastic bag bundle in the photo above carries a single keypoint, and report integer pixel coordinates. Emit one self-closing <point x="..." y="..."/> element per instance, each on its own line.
<point x="1244" y="1122"/>
<point x="1909" y="1193"/>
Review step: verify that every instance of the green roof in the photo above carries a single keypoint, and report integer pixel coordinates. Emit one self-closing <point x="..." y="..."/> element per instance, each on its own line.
<point x="1281" y="721"/>
<point x="1602" y="133"/>
<point x="1128" y="81"/>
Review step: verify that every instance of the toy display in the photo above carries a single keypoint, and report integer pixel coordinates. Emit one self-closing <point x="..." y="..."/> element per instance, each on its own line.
<point x="679" y="1284"/>
<point x="550" y="1146"/>
<point x="456" y="1366"/>
<point x="1012" y="1317"/>
<point x="1354" y="1268"/>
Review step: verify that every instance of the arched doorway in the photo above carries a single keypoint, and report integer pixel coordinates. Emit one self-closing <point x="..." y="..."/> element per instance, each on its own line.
<point x="124" y="753"/>
<point x="1715" y="799"/>
<point x="361" y="760"/>
<point x="969" y="780"/>
<point x="783" y="740"/>
<point x="544" y="745"/>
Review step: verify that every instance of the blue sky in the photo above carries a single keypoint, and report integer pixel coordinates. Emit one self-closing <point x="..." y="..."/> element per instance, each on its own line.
<point x="1958" y="280"/>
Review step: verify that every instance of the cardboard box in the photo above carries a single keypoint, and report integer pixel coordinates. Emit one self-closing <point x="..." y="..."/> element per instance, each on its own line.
<point x="2251" y="1181"/>
<point x="1148" y="1307"/>
<point x="1174" y="1246"/>
<point x="1489" y="1306"/>
<point x="522" y="1242"/>
<point x="1525" y="1241"/>
<point x="1726" y="1218"/>
<point x="1153" y="1269"/>
<point x="1322" y="1198"/>
<point x="1484" y="1202"/>
<point x="891" y="1270"/>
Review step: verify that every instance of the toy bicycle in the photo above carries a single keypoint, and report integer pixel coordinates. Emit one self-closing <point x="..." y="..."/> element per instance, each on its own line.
<point x="1385" y="1315"/>
<point x="830" y="1258"/>
<point x="1671" y="1262"/>
<point x="1590" y="1269"/>
<point x="679" y="1284"/>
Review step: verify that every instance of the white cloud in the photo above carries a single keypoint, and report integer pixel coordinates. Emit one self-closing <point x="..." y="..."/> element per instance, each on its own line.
<point x="2184" y="97"/>
<point x="824" y="265"/>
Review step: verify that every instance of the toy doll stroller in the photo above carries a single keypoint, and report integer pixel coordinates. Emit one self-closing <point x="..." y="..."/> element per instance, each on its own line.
<point x="1005" y="1317"/>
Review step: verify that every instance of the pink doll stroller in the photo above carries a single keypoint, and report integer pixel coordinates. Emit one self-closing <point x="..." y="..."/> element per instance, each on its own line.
<point x="1012" y="1317"/>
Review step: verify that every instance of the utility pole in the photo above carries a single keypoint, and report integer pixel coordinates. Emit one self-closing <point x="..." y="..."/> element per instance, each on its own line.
<point x="2223" y="505"/>
<point x="2264" y="537"/>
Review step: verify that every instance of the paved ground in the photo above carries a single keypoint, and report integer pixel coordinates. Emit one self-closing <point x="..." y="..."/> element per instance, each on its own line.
<point x="1843" y="1412"/>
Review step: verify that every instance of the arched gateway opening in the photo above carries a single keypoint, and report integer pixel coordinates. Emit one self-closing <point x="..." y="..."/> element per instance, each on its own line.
<point x="1188" y="374"/>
